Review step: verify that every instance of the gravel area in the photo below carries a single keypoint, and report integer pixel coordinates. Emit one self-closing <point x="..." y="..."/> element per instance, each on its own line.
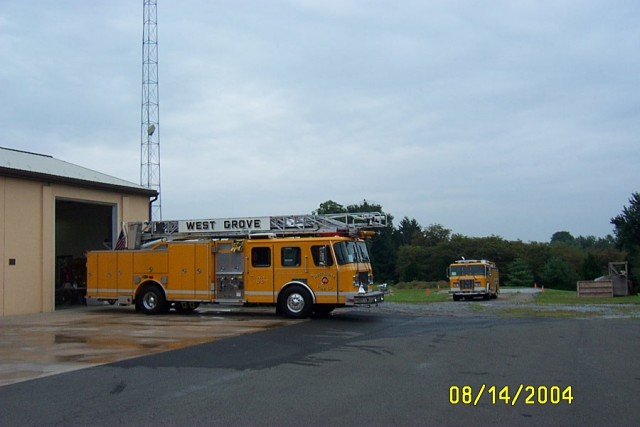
<point x="510" y="304"/>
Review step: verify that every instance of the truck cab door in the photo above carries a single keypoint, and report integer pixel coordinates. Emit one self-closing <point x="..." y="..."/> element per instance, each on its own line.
<point x="322" y="273"/>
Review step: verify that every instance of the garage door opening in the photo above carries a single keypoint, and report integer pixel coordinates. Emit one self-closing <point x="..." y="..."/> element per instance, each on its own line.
<point x="80" y="227"/>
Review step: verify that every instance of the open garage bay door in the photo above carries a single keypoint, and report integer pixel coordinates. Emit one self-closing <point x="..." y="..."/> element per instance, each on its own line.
<point x="80" y="227"/>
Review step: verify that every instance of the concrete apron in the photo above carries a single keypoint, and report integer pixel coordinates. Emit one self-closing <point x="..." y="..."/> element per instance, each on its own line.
<point x="37" y="345"/>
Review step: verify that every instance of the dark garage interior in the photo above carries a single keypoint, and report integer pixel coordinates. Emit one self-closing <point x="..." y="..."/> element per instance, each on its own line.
<point x="79" y="227"/>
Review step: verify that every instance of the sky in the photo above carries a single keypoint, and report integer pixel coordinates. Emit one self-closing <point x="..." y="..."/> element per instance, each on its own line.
<point x="509" y="118"/>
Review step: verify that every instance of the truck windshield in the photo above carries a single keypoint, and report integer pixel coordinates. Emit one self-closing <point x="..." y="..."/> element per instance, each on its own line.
<point x="351" y="252"/>
<point x="467" y="270"/>
<point x="364" y="253"/>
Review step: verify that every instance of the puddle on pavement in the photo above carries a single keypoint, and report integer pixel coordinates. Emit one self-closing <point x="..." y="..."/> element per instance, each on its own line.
<point x="66" y="339"/>
<point x="38" y="345"/>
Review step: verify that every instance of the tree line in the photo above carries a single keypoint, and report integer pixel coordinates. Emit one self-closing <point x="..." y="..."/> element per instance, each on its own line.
<point x="413" y="252"/>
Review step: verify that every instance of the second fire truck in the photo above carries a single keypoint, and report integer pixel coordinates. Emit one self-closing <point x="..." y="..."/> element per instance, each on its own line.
<point x="473" y="278"/>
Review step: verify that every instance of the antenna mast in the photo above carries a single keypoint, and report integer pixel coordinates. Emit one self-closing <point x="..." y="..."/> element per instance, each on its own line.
<point x="150" y="128"/>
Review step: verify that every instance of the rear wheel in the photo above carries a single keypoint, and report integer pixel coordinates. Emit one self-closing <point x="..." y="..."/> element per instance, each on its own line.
<point x="295" y="303"/>
<point x="151" y="300"/>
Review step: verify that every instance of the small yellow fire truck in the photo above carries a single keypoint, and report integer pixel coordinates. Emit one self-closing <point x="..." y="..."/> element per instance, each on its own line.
<point x="473" y="278"/>
<point x="301" y="264"/>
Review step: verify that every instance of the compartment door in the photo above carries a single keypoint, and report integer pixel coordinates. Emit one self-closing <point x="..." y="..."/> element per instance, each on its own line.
<point x="182" y="272"/>
<point x="201" y="272"/>
<point x="107" y="274"/>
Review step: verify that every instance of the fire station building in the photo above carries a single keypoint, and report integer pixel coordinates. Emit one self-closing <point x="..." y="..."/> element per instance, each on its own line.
<point x="51" y="213"/>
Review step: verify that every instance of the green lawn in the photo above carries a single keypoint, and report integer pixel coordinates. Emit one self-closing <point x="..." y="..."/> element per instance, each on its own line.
<point x="553" y="296"/>
<point x="416" y="295"/>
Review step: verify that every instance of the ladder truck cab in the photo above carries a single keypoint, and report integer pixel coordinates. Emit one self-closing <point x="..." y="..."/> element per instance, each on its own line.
<point x="473" y="278"/>
<point x="301" y="264"/>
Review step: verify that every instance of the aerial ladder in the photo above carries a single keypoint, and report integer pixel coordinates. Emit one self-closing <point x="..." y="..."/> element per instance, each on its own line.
<point x="361" y="224"/>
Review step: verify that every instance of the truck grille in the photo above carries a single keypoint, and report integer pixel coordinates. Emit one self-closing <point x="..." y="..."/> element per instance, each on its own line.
<point x="363" y="278"/>
<point x="466" y="284"/>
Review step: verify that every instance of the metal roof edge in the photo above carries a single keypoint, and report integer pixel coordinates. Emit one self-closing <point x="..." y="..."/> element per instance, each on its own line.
<point x="38" y="176"/>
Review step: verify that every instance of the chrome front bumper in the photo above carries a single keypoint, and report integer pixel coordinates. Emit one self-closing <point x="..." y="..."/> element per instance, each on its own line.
<point x="369" y="298"/>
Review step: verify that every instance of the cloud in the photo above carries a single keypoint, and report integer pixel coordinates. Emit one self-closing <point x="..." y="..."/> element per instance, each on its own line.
<point x="518" y="119"/>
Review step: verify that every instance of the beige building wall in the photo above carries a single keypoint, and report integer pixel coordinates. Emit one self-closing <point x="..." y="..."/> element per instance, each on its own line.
<point x="27" y="238"/>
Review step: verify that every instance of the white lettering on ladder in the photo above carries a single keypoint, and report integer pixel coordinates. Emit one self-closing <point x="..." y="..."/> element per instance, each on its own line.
<point x="226" y="224"/>
<point x="200" y="225"/>
<point x="243" y="224"/>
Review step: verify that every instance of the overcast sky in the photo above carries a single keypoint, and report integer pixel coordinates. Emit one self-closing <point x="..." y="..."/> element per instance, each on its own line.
<point x="510" y="118"/>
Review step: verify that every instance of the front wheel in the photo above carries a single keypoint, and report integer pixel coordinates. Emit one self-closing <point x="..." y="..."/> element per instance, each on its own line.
<point x="295" y="303"/>
<point x="151" y="300"/>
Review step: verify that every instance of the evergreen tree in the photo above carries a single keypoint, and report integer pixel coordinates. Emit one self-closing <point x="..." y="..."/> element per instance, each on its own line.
<point x="627" y="225"/>
<point x="519" y="274"/>
<point x="627" y="231"/>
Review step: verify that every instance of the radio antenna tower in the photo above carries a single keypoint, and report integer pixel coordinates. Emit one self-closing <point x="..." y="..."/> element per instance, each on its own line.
<point x="150" y="129"/>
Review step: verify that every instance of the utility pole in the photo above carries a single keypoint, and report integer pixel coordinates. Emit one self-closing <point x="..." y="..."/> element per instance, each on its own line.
<point x="150" y="128"/>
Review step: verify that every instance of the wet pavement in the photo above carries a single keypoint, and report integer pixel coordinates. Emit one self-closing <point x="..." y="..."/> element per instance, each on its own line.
<point x="42" y="344"/>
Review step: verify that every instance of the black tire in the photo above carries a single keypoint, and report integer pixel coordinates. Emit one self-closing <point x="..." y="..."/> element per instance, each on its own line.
<point x="151" y="300"/>
<point x="295" y="303"/>
<point x="456" y="297"/>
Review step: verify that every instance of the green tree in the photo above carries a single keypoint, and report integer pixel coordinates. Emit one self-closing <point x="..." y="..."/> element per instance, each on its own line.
<point x="409" y="231"/>
<point x="557" y="274"/>
<point x="627" y="225"/>
<point x="591" y="269"/>
<point x="563" y="237"/>
<point x="627" y="232"/>
<point x="365" y="206"/>
<point x="435" y="234"/>
<point x="330" y="207"/>
<point x="410" y="264"/>
<point x="518" y="273"/>
<point x="383" y="256"/>
<point x="536" y="254"/>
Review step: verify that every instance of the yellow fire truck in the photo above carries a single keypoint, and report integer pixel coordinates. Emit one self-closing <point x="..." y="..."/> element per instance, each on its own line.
<point x="473" y="278"/>
<point x="301" y="264"/>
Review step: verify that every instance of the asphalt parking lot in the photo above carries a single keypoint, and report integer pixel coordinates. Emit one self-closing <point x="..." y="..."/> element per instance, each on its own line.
<point x="43" y="344"/>
<point x="357" y="367"/>
<point x="38" y="345"/>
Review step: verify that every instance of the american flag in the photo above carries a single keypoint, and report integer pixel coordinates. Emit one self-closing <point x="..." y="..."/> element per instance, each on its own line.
<point x="122" y="241"/>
